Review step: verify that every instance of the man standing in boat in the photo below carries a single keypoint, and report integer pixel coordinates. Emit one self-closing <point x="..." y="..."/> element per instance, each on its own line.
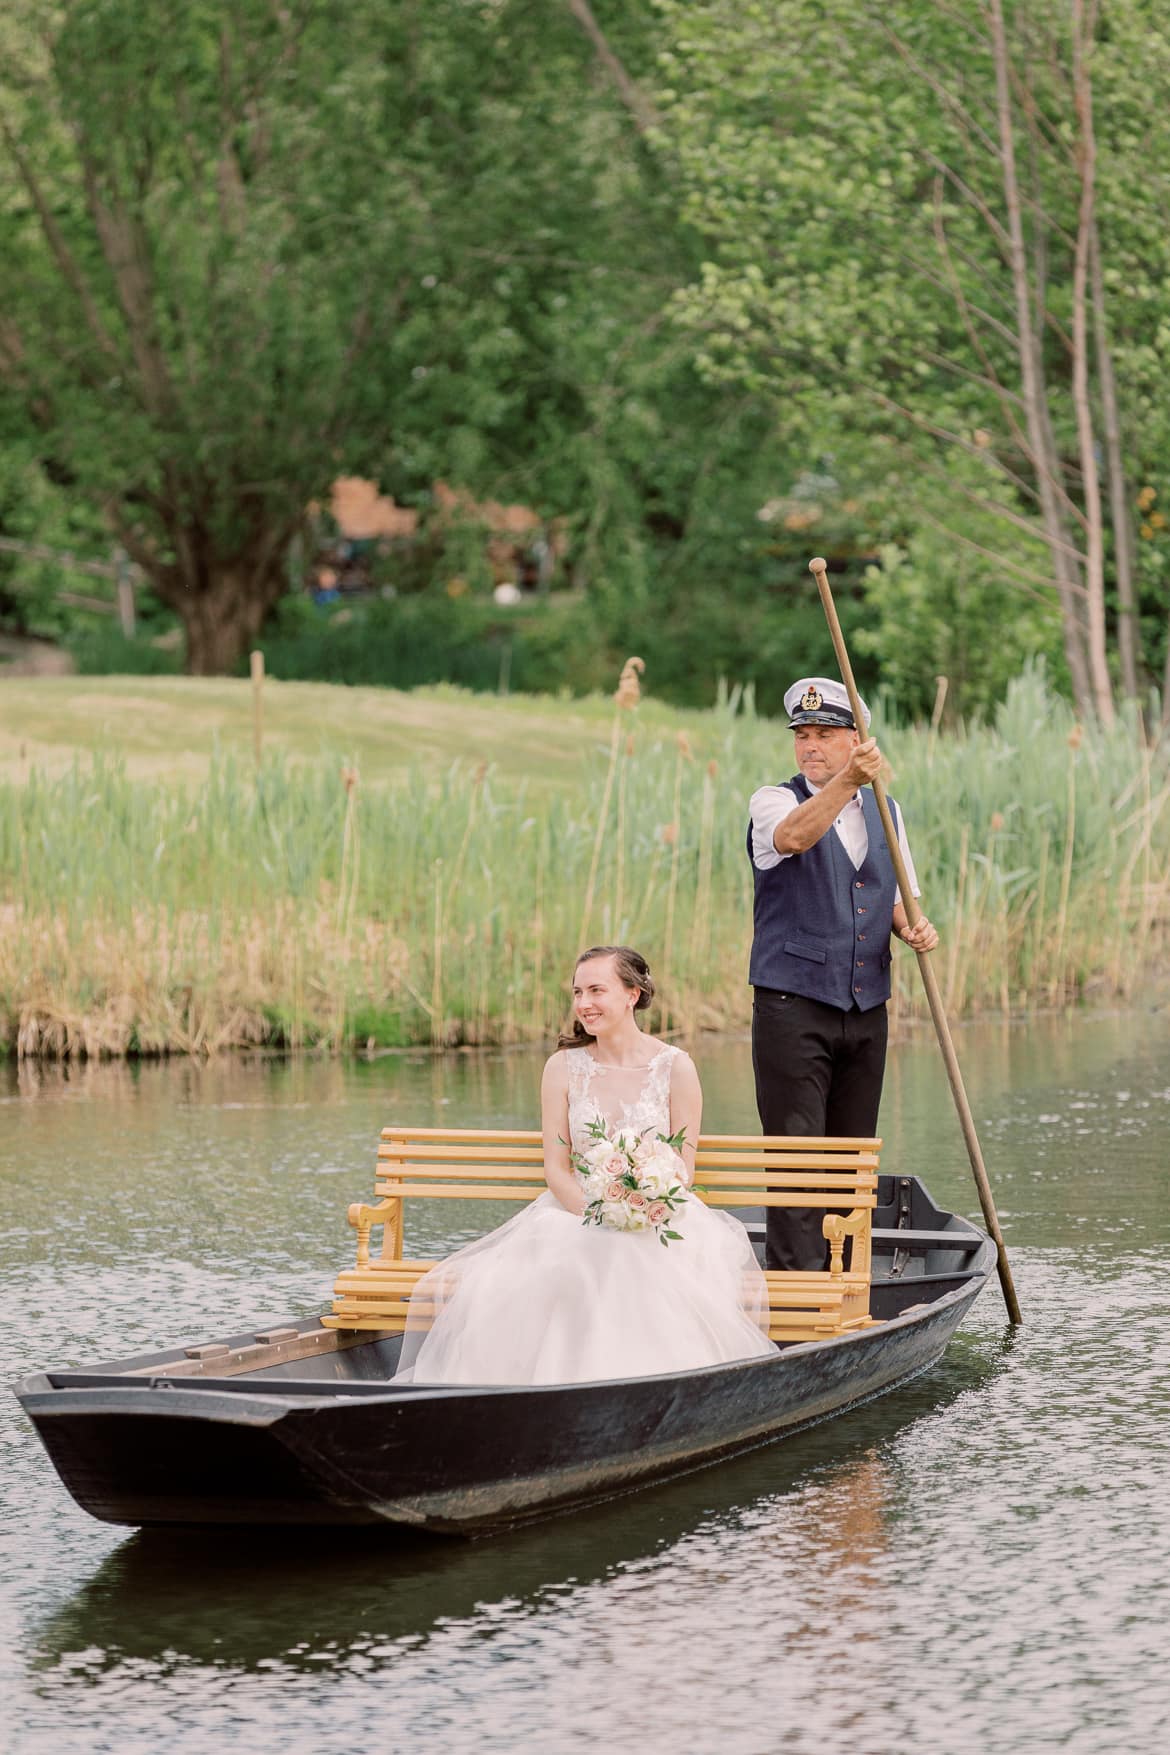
<point x="826" y="906"/>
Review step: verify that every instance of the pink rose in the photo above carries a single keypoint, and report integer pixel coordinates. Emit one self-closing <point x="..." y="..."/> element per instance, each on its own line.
<point x="614" y="1191"/>
<point x="636" y="1200"/>
<point x="657" y="1212"/>
<point x="614" y="1165"/>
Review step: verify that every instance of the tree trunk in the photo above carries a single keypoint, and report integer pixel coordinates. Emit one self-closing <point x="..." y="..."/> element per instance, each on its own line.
<point x="222" y="621"/>
<point x="1035" y="395"/>
<point x="1128" y="631"/>
<point x="1094" y="527"/>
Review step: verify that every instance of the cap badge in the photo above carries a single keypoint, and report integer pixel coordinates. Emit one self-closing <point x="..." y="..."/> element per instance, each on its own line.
<point x="812" y="699"/>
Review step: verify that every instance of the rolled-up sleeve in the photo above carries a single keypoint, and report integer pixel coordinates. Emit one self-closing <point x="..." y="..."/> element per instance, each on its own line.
<point x="769" y="806"/>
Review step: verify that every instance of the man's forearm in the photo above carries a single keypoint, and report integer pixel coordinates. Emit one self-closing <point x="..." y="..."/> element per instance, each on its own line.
<point x="803" y="827"/>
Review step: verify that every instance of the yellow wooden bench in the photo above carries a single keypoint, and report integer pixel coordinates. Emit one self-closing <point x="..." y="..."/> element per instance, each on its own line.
<point x="731" y="1170"/>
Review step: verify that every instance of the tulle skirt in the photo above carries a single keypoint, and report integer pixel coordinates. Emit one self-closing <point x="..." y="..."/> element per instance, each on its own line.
<point x="547" y="1299"/>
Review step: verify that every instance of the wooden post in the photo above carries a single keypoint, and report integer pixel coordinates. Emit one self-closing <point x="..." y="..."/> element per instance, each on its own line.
<point x="124" y="580"/>
<point x="257" y="705"/>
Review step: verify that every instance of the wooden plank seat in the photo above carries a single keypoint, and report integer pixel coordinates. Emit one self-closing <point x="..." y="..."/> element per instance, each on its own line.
<point x="731" y="1170"/>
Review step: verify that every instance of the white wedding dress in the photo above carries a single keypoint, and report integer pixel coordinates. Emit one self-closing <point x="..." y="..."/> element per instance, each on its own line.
<point x="549" y="1299"/>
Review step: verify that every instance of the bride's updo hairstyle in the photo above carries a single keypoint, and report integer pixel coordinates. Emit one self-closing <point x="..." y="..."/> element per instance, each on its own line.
<point x="631" y="969"/>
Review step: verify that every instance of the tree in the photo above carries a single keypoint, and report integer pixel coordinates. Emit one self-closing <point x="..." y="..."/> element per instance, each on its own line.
<point x="183" y="326"/>
<point x="924" y="265"/>
<point x="266" y="244"/>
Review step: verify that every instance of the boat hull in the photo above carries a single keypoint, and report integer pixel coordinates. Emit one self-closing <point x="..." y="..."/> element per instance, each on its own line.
<point x="148" y="1450"/>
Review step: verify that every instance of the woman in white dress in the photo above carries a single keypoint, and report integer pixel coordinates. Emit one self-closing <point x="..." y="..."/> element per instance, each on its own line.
<point x="548" y="1298"/>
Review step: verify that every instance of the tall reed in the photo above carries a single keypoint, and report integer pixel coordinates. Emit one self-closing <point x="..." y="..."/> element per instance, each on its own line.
<point x="287" y="906"/>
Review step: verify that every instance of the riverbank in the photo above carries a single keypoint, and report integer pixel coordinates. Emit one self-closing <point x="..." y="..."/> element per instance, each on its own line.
<point x="374" y="884"/>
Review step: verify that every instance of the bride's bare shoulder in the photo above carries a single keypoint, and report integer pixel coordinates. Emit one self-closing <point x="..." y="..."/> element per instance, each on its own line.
<point x="684" y="1074"/>
<point x="556" y="1069"/>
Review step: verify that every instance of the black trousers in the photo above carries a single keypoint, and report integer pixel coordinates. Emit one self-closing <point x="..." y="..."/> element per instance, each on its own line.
<point x="818" y="1071"/>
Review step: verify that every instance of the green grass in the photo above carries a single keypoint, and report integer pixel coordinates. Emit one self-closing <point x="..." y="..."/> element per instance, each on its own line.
<point x="174" y="728"/>
<point x="424" y="868"/>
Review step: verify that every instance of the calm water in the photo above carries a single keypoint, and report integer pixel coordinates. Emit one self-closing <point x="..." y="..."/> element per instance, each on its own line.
<point x="980" y="1561"/>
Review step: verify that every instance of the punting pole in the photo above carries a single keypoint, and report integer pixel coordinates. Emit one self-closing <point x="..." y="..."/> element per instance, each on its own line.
<point x="925" y="966"/>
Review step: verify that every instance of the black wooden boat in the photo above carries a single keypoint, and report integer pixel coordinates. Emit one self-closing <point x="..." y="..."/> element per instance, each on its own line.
<point x="295" y="1423"/>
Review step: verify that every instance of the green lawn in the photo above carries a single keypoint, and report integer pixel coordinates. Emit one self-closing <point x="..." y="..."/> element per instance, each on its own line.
<point x="168" y="727"/>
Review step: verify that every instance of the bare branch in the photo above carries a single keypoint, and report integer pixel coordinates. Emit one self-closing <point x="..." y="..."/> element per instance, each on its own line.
<point x="993" y="224"/>
<point x="1083" y="18"/>
<point x="1038" y="414"/>
<point x="1008" y="403"/>
<point x="943" y="92"/>
<point x="1027" y="581"/>
<point x="67" y="264"/>
<point x="937" y="432"/>
<point x="996" y="324"/>
<point x="640" y="108"/>
<point x="1128" y="634"/>
<point x="164" y="577"/>
<point x="124" y="248"/>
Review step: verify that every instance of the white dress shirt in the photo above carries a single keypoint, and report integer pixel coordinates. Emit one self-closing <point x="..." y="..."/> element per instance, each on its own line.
<point x="771" y="804"/>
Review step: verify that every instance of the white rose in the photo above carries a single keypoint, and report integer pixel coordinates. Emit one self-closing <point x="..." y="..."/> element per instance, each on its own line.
<point x="601" y="1153"/>
<point x="592" y="1181"/>
<point x="660" y="1169"/>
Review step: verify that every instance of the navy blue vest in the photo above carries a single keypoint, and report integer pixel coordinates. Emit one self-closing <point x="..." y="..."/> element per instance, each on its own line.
<point x="822" y="926"/>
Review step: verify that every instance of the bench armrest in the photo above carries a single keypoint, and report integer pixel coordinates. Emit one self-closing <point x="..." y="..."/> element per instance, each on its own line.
<point x="836" y="1228"/>
<point x="363" y="1218"/>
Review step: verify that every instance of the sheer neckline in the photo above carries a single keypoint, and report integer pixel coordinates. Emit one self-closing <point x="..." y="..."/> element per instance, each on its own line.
<point x="617" y="1066"/>
<point x="633" y="1099"/>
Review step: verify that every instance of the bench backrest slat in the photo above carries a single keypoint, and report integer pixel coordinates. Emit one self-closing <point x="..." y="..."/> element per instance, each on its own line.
<point x="752" y="1177"/>
<point x="731" y="1170"/>
<point x="426" y="1151"/>
<point x="507" y="1136"/>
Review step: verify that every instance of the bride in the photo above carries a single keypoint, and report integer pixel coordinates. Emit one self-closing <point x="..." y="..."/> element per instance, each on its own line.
<point x="552" y="1298"/>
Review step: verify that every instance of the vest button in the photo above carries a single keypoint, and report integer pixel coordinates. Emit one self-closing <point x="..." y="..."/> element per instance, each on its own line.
<point x="859" y="885"/>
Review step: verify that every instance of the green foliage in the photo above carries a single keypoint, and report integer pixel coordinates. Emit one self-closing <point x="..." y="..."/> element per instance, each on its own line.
<point x="98" y="647"/>
<point x="36" y="511"/>
<point x="859" y="246"/>
<point x="415" y="243"/>
<point x="244" y="250"/>
<point x="757" y="632"/>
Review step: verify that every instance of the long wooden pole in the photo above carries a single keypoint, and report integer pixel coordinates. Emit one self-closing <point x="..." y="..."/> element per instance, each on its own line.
<point x="925" y="966"/>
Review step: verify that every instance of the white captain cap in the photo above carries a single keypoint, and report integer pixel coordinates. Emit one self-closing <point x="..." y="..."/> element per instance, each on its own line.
<point x="818" y="700"/>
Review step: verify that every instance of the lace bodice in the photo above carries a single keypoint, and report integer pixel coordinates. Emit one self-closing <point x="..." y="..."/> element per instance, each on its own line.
<point x="636" y="1097"/>
<point x="547" y="1299"/>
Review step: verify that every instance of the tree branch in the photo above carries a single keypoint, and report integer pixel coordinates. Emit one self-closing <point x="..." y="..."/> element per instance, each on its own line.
<point x="1083" y="25"/>
<point x="66" y="263"/>
<point x="640" y="108"/>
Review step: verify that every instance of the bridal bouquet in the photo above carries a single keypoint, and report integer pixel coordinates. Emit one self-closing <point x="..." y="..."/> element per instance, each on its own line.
<point x="631" y="1181"/>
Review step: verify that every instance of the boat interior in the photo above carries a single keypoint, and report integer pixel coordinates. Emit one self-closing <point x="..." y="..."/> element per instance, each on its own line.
<point x="920" y="1253"/>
